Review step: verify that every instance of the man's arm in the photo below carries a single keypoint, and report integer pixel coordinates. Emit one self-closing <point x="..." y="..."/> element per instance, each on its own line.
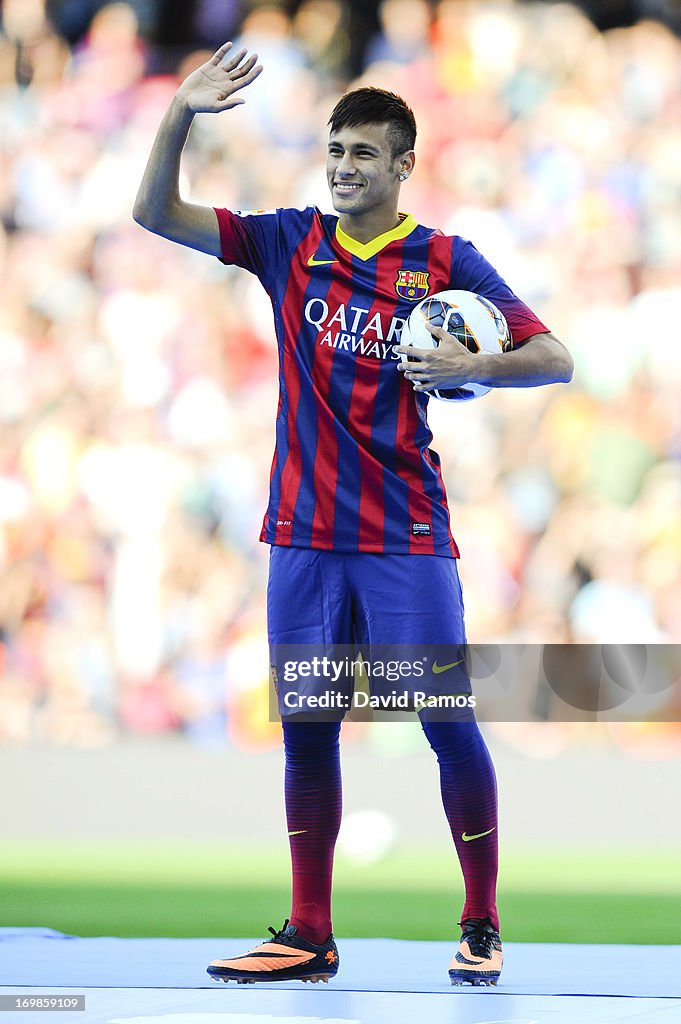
<point x="159" y="206"/>
<point x="541" y="359"/>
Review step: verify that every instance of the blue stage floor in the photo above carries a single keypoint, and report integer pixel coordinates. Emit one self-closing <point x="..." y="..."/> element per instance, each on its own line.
<point x="381" y="981"/>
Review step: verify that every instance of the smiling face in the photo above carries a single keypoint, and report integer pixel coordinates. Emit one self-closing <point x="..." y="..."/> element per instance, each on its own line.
<point x="363" y="176"/>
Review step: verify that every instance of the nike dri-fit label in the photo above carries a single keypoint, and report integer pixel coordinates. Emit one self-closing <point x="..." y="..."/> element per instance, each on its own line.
<point x="353" y="468"/>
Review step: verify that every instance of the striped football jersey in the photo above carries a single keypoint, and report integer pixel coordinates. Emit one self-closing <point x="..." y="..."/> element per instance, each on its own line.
<point x="353" y="469"/>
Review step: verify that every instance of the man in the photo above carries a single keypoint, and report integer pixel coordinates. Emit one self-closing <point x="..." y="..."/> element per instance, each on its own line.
<point x="357" y="517"/>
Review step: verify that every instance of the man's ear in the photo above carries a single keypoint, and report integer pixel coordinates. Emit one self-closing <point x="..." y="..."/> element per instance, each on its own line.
<point x="406" y="164"/>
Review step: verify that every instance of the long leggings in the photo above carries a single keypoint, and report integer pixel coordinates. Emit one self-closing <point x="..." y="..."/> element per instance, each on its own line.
<point x="313" y="793"/>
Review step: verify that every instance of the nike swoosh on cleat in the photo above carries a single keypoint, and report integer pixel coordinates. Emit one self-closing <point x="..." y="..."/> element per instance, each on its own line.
<point x="276" y="956"/>
<point x="444" y="668"/>
<point x="461" y="959"/>
<point x="257" y="963"/>
<point x="312" y="262"/>
<point x="467" y="839"/>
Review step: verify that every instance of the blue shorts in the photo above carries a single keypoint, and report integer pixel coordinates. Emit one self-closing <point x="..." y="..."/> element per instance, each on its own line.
<point x="407" y="608"/>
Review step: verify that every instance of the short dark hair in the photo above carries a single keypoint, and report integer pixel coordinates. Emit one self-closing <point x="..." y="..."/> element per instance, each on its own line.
<point x="376" y="106"/>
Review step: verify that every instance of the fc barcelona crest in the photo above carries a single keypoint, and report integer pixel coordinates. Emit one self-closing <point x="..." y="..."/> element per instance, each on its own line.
<point x="412" y="284"/>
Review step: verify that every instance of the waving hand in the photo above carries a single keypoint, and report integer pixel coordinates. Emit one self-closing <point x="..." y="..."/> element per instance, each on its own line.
<point x="211" y="88"/>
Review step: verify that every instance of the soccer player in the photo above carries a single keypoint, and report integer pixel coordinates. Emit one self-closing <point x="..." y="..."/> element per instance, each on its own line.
<point x="357" y="503"/>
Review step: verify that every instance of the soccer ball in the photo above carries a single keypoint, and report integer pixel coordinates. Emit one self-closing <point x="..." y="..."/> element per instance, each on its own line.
<point x="471" y="319"/>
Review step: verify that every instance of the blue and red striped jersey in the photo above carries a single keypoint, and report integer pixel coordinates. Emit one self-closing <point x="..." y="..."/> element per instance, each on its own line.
<point x="353" y="469"/>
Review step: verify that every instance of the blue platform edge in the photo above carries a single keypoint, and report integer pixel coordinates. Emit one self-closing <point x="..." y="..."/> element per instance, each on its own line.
<point x="41" y="957"/>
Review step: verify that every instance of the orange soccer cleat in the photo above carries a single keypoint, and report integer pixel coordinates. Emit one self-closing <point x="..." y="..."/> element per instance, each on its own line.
<point x="479" y="959"/>
<point x="286" y="957"/>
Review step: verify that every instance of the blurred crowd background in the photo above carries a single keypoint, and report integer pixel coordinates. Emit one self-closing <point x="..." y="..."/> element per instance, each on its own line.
<point x="138" y="379"/>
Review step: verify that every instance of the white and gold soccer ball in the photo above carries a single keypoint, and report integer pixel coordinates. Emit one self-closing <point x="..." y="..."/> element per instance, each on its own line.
<point x="472" y="319"/>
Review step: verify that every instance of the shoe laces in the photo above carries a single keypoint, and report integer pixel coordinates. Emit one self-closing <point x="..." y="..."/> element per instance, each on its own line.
<point x="278" y="934"/>
<point x="481" y="936"/>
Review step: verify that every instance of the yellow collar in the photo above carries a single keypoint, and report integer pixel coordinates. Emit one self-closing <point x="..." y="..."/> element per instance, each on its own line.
<point x="367" y="250"/>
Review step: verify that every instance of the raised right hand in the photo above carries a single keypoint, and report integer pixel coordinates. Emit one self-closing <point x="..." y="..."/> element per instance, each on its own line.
<point x="210" y="89"/>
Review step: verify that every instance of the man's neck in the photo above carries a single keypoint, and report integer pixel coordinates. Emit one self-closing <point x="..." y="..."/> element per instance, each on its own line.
<point x="366" y="227"/>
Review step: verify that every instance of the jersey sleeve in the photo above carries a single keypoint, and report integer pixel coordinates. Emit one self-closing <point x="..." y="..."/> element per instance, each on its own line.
<point x="472" y="272"/>
<point x="261" y="240"/>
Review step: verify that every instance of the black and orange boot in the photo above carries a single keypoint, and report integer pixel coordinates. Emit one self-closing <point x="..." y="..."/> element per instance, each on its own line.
<point x="479" y="959"/>
<point x="286" y="957"/>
